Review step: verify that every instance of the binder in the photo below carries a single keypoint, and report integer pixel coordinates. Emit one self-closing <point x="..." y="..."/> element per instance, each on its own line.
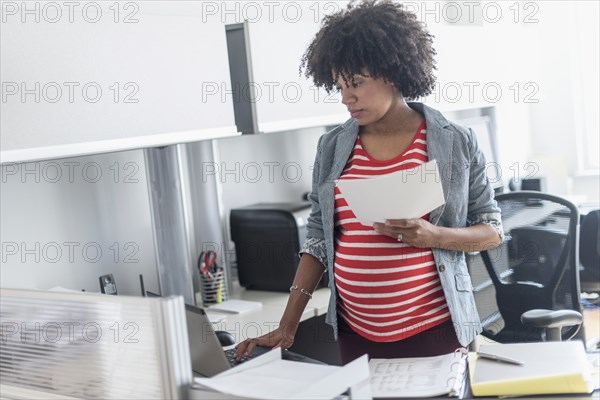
<point x="419" y="376"/>
<point x="548" y="368"/>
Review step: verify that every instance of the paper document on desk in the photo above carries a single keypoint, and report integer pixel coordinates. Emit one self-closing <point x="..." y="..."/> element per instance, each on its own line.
<point x="418" y="376"/>
<point x="283" y="379"/>
<point x="235" y="306"/>
<point x="548" y="368"/>
<point x="404" y="194"/>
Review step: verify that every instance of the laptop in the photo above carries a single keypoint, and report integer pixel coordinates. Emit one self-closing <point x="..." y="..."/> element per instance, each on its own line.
<point x="206" y="352"/>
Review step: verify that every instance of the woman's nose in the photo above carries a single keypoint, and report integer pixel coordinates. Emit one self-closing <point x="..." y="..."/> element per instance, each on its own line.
<point x="348" y="96"/>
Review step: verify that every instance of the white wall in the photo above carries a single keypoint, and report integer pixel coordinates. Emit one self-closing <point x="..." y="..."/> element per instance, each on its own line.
<point x="69" y="221"/>
<point x="557" y="120"/>
<point x="535" y="65"/>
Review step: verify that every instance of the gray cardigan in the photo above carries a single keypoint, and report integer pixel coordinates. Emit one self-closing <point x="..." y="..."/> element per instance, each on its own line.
<point x="469" y="201"/>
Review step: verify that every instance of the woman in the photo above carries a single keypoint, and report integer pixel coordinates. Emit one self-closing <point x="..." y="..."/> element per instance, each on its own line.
<point x="398" y="288"/>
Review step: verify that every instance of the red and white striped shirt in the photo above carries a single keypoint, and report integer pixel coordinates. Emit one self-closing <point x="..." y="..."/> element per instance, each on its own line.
<point x="387" y="290"/>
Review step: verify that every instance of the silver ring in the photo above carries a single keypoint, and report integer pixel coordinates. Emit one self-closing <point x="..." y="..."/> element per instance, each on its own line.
<point x="399" y="237"/>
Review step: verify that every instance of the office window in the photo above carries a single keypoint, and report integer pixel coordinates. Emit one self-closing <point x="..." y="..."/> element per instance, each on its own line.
<point x="586" y="67"/>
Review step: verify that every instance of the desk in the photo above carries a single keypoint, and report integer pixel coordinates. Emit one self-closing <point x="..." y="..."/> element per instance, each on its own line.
<point x="318" y="304"/>
<point x="591" y="321"/>
<point x="269" y="315"/>
<point x="273" y="306"/>
<point x="256" y="323"/>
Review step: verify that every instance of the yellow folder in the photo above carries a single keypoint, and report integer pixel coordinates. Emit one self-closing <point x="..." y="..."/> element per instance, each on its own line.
<point x="548" y="368"/>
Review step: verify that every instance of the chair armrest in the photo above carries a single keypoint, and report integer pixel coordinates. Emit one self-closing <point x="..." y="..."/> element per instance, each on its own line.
<point x="552" y="320"/>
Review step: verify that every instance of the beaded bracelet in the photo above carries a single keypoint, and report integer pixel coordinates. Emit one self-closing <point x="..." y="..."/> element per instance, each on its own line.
<point x="303" y="291"/>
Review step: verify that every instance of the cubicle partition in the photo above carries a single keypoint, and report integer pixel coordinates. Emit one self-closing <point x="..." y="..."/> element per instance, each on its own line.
<point x="93" y="346"/>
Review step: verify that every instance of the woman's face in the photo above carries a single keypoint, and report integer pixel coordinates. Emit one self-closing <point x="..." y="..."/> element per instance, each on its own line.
<point x="367" y="99"/>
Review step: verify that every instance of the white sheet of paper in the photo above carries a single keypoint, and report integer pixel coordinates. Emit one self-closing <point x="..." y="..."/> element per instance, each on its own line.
<point x="276" y="380"/>
<point x="236" y="306"/>
<point x="283" y="379"/>
<point x="404" y="194"/>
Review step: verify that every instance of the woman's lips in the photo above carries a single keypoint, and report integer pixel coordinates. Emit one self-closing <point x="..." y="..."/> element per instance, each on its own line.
<point x="355" y="113"/>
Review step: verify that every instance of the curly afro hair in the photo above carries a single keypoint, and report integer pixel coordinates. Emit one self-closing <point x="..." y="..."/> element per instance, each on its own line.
<point x="380" y="36"/>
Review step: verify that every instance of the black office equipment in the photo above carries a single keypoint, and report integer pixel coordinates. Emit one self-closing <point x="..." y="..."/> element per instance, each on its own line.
<point x="533" y="184"/>
<point x="536" y="268"/>
<point x="589" y="252"/>
<point x="142" y="288"/>
<point x="267" y="239"/>
<point x="225" y="338"/>
<point x="107" y="284"/>
<point x="537" y="184"/>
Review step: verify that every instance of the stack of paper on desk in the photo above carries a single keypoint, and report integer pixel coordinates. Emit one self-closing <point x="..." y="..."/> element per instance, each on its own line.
<point x="404" y="194"/>
<point x="270" y="377"/>
<point x="548" y="368"/>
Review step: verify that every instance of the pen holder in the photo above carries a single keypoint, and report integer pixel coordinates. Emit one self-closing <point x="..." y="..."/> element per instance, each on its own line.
<point x="213" y="288"/>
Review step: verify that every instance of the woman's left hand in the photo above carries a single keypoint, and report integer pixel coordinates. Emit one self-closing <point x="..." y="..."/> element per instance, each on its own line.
<point x="415" y="231"/>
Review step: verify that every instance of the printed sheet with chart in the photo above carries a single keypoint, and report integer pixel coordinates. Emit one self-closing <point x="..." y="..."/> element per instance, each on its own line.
<point x="418" y="377"/>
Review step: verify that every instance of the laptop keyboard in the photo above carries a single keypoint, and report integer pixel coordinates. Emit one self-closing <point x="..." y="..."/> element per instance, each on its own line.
<point x="230" y="354"/>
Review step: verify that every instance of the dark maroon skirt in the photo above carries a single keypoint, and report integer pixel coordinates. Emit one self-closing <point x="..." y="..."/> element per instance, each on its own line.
<point x="441" y="339"/>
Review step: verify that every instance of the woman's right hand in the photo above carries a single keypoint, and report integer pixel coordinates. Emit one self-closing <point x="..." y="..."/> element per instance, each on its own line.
<point x="281" y="337"/>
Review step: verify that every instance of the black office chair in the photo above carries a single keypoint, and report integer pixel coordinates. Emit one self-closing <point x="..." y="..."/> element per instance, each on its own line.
<point x="589" y="252"/>
<point x="535" y="271"/>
